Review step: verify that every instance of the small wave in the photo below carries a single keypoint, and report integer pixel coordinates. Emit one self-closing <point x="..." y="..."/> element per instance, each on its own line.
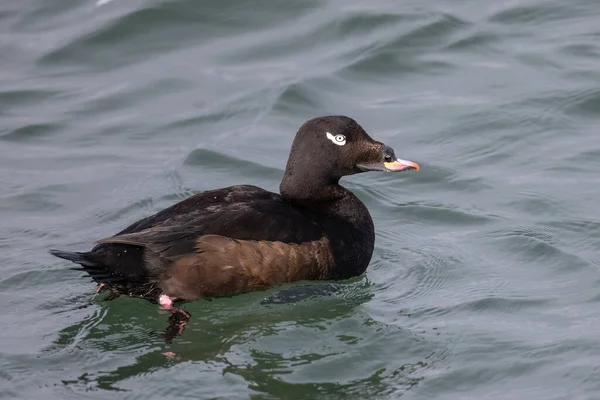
<point x="216" y="160"/>
<point x="32" y="203"/>
<point x="31" y="132"/>
<point x="532" y="202"/>
<point x="590" y="51"/>
<point x="425" y="213"/>
<point x="474" y="42"/>
<point x="537" y="245"/>
<point x="529" y="15"/>
<point x="398" y="53"/>
<point x="584" y="103"/>
<point x="124" y="36"/>
<point x="298" y="98"/>
<point x="18" y="98"/>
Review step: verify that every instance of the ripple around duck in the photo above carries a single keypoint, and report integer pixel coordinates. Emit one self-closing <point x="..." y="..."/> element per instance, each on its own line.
<point x="447" y="280"/>
<point x="268" y="365"/>
<point x="429" y="272"/>
<point x="298" y="293"/>
<point x="499" y="305"/>
<point x="121" y="327"/>
<point x="370" y="339"/>
<point x="221" y="337"/>
<point x="101" y="342"/>
<point x="424" y="213"/>
<point x="535" y="245"/>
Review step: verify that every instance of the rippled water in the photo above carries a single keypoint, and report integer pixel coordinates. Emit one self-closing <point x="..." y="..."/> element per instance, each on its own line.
<point x="485" y="280"/>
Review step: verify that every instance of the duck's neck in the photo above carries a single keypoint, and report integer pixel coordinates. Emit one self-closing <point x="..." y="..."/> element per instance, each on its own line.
<point x="324" y="195"/>
<point x="311" y="191"/>
<point x="349" y="224"/>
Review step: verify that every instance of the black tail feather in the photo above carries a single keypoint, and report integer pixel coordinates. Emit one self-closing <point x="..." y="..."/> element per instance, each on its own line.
<point x="106" y="278"/>
<point x="96" y="270"/>
<point x="113" y="270"/>
<point x="67" y="255"/>
<point x="76" y="257"/>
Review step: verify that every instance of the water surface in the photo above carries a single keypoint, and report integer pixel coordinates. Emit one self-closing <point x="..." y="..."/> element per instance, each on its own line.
<point x="485" y="278"/>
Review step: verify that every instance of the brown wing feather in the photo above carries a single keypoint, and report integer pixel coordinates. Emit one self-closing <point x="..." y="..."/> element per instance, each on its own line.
<point x="166" y="241"/>
<point x="222" y="266"/>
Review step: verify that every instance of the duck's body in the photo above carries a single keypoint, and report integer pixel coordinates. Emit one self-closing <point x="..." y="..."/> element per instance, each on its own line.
<point x="236" y="239"/>
<point x="231" y="240"/>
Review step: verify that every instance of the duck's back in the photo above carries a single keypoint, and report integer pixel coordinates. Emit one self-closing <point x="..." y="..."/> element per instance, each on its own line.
<point x="239" y="212"/>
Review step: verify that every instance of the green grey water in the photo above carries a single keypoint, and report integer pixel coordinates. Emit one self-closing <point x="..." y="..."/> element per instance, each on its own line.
<point x="485" y="280"/>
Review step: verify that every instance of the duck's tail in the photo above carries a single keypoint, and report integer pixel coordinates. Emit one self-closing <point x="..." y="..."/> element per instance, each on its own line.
<point x="76" y="257"/>
<point x="95" y="269"/>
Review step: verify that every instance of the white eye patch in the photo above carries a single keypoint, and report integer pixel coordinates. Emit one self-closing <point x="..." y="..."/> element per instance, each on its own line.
<point x="340" y="140"/>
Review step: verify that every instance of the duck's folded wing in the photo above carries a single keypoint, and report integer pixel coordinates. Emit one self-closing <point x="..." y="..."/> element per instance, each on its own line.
<point x="257" y="220"/>
<point x="164" y="242"/>
<point x="223" y="266"/>
<point x="188" y="266"/>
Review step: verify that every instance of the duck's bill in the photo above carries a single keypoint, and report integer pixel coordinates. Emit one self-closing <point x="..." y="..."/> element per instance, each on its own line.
<point x="401" y="165"/>
<point x="393" y="166"/>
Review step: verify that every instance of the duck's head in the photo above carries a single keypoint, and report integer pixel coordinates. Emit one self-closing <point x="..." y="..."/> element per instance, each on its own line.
<point x="328" y="148"/>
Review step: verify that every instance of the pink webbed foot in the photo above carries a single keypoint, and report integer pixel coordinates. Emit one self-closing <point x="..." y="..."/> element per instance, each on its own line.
<point x="165" y="302"/>
<point x="177" y="320"/>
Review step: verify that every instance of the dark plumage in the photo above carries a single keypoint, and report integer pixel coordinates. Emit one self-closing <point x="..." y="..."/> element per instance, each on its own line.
<point x="227" y="241"/>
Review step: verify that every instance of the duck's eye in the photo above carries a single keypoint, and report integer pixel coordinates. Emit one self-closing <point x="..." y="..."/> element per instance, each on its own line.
<point x="387" y="158"/>
<point x="340" y="140"/>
